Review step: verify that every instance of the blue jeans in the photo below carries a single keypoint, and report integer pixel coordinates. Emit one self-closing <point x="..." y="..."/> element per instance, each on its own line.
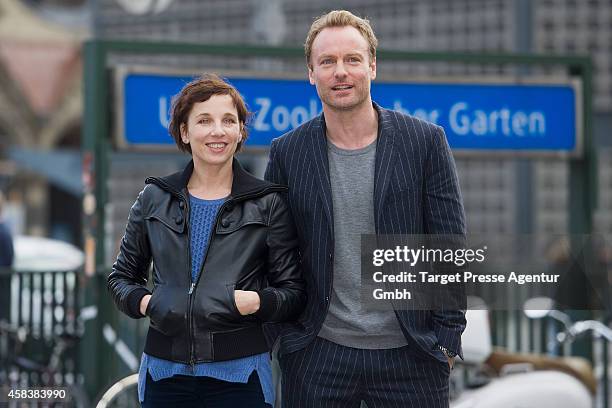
<point x="203" y="392"/>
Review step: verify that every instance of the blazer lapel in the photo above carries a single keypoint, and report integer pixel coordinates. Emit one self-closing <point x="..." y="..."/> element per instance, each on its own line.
<point x="384" y="163"/>
<point x="321" y="167"/>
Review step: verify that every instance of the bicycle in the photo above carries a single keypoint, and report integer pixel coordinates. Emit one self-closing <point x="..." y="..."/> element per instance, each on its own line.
<point x="123" y="393"/>
<point x="13" y="340"/>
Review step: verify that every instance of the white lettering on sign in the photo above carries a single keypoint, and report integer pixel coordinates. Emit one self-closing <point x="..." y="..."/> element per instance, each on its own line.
<point x="164" y="113"/>
<point x="430" y="116"/>
<point x="464" y="121"/>
<point x="279" y="117"/>
<point x="262" y="112"/>
<point x="267" y="117"/>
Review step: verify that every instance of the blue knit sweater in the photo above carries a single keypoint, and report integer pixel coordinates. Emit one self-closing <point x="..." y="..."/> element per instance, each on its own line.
<point x="202" y="219"/>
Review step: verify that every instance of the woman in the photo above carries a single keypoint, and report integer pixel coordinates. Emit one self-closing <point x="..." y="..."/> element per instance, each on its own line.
<point x="225" y="260"/>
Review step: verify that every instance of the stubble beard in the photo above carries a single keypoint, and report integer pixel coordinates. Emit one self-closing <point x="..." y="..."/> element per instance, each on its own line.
<point x="361" y="96"/>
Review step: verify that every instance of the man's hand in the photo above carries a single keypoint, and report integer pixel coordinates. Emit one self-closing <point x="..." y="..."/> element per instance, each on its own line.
<point x="247" y="301"/>
<point x="451" y="362"/>
<point x="144" y="302"/>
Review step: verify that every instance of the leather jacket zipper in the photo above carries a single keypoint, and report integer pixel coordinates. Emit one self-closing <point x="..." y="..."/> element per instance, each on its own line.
<point x="190" y="327"/>
<point x="193" y="285"/>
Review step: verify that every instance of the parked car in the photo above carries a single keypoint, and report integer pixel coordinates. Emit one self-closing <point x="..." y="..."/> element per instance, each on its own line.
<point x="37" y="254"/>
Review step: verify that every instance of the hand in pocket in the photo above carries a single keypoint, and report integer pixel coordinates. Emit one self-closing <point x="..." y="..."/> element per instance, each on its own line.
<point x="144" y="303"/>
<point x="247" y="301"/>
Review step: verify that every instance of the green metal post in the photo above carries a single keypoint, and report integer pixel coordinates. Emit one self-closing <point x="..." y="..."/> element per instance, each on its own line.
<point x="96" y="125"/>
<point x="583" y="196"/>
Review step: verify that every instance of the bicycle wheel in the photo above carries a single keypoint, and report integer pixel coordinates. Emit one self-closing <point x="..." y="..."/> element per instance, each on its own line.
<point x="124" y="394"/>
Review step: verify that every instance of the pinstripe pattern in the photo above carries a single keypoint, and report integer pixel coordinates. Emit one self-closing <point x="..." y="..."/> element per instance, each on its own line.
<point x="329" y="375"/>
<point x="416" y="191"/>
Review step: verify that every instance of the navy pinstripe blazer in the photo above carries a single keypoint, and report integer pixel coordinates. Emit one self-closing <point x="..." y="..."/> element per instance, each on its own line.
<point x="416" y="191"/>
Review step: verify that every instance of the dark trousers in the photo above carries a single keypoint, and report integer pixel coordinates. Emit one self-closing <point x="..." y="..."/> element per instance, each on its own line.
<point x="325" y="374"/>
<point x="203" y="392"/>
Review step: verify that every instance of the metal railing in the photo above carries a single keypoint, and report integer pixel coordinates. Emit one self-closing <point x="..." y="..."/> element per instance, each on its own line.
<point x="44" y="306"/>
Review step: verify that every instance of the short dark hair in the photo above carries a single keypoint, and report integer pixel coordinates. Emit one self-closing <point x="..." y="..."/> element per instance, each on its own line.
<point x="201" y="90"/>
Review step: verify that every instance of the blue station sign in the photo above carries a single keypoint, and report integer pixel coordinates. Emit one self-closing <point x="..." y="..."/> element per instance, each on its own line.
<point x="525" y="118"/>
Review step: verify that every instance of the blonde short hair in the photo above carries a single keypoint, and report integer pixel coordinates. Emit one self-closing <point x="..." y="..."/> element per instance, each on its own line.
<point x="341" y="18"/>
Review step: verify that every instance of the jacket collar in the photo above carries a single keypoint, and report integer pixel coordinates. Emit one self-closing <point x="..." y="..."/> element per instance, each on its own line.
<point x="384" y="162"/>
<point x="244" y="184"/>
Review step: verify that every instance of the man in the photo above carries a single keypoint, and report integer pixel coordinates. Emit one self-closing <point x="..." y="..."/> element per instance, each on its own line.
<point x="360" y="169"/>
<point x="6" y="242"/>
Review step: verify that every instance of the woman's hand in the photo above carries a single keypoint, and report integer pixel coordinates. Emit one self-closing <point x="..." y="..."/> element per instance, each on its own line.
<point x="247" y="301"/>
<point x="144" y="302"/>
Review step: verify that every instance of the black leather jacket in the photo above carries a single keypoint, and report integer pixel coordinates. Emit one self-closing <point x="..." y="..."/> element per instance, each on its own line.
<point x="253" y="247"/>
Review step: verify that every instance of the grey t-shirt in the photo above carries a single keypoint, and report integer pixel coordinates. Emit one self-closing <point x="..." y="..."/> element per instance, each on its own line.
<point x="351" y="173"/>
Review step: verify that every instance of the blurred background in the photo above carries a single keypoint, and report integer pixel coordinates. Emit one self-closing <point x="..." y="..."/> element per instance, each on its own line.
<point x="57" y="178"/>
